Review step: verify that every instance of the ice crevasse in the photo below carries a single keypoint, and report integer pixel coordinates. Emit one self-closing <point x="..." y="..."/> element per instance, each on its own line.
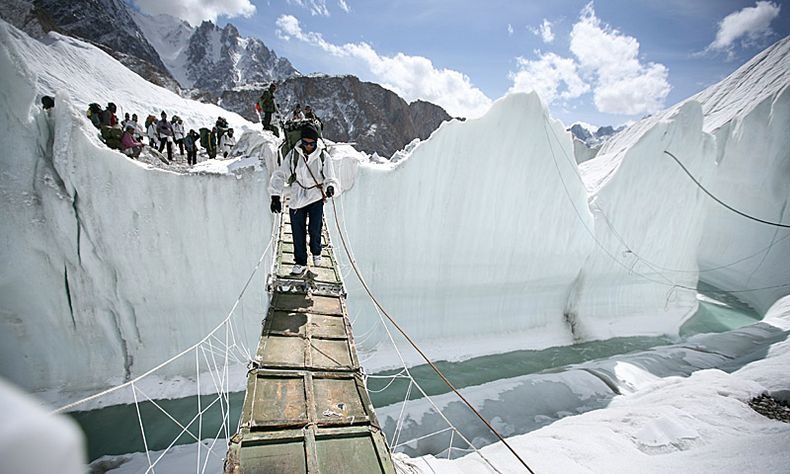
<point x="487" y="237"/>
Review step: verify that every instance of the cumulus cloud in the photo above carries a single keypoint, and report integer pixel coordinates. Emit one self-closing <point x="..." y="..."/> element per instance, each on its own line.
<point x="195" y="11"/>
<point x="622" y="84"/>
<point x="344" y="6"/>
<point x="606" y="62"/>
<point x="411" y="77"/>
<point x="544" y="31"/>
<point x="315" y="7"/>
<point x="547" y="76"/>
<point x="509" y="29"/>
<point x="749" y="25"/>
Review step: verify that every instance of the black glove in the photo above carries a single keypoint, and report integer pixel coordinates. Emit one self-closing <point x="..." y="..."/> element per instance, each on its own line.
<point x="276" y="206"/>
<point x="330" y="191"/>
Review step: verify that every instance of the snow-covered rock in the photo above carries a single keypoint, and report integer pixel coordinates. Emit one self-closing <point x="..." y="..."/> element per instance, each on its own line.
<point x="211" y="58"/>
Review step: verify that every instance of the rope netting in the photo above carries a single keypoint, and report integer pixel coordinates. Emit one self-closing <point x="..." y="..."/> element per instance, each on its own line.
<point x="214" y="355"/>
<point x="394" y="442"/>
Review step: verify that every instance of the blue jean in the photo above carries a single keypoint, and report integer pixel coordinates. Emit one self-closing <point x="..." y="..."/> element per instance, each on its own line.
<point x="314" y="213"/>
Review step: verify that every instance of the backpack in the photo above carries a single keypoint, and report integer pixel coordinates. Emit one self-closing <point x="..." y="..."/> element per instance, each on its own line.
<point x="112" y="137"/>
<point x="204" y="137"/>
<point x="293" y="133"/>
<point x="93" y="108"/>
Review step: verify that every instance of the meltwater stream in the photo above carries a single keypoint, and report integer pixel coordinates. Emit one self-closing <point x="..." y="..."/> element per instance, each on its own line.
<point x="518" y="391"/>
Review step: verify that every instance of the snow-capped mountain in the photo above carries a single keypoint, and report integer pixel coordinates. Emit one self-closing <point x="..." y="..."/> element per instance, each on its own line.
<point x="105" y="23"/>
<point x="592" y="135"/>
<point x="210" y="58"/>
<point x="374" y="118"/>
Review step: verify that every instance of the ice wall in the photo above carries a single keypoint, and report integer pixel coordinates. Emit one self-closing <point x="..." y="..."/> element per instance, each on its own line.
<point x="648" y="218"/>
<point x="484" y="240"/>
<point x="748" y="114"/>
<point x="109" y="267"/>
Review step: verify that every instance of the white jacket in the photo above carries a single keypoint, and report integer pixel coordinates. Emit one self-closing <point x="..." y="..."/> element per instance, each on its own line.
<point x="178" y="131"/>
<point x="153" y="137"/>
<point x="226" y="143"/>
<point x="304" y="190"/>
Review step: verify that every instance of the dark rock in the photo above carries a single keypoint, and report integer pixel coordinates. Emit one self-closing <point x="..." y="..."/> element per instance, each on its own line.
<point x="374" y="118"/>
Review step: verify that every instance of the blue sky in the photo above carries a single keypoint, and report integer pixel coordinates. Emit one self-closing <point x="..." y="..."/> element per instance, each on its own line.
<point x="603" y="62"/>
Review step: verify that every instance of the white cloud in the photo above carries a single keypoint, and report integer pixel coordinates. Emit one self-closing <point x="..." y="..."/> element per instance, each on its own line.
<point x="546" y="76"/>
<point x="195" y="11"/>
<point x="622" y="84"/>
<point x="315" y="7"/>
<point x="606" y="62"/>
<point x="750" y="25"/>
<point x="544" y="31"/>
<point x="509" y="29"/>
<point x="411" y="77"/>
<point x="344" y="6"/>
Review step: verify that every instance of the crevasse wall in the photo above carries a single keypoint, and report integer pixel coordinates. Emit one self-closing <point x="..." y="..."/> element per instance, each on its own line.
<point x="110" y="267"/>
<point x="482" y="241"/>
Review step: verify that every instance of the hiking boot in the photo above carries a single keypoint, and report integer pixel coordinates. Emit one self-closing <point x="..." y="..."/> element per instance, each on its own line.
<point x="298" y="269"/>
<point x="316" y="260"/>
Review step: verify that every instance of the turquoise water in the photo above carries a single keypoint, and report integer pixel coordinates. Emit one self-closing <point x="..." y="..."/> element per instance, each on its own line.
<point x="116" y="429"/>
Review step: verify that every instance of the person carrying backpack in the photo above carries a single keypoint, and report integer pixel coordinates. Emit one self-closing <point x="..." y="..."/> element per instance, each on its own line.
<point x="268" y="106"/>
<point x="227" y="142"/>
<point x="296" y="113"/>
<point x="191" y="144"/>
<point x="310" y="115"/>
<point x="108" y="117"/>
<point x="94" y="113"/>
<point x="309" y="172"/>
<point x="208" y="140"/>
<point x="165" y="132"/>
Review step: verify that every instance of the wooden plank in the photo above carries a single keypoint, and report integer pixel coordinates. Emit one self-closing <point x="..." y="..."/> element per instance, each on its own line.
<point x="330" y="354"/>
<point x="279" y="400"/>
<point x="281" y="351"/>
<point x="308" y="304"/>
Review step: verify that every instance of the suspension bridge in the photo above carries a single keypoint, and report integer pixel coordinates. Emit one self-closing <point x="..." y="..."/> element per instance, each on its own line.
<point x="306" y="408"/>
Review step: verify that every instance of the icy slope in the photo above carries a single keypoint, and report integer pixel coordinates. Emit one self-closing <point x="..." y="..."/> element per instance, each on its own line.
<point x="479" y="246"/>
<point x="748" y="114"/>
<point x="108" y="266"/>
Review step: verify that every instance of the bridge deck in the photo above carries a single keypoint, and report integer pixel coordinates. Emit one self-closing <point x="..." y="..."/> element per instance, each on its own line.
<point x="306" y="408"/>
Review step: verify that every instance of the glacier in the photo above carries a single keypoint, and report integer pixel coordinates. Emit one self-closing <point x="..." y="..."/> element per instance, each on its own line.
<point x="484" y="238"/>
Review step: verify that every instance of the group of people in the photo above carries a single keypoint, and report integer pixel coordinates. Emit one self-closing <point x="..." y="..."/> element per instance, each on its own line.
<point x="299" y="169"/>
<point x="266" y="106"/>
<point x="128" y="135"/>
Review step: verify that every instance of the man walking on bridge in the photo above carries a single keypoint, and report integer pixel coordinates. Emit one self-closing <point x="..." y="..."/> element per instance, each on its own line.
<point x="308" y="169"/>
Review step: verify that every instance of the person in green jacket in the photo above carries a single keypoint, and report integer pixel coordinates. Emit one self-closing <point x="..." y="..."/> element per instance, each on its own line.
<point x="268" y="106"/>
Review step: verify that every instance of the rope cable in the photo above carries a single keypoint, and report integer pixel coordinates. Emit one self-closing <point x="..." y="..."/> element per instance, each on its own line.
<point x="414" y="345"/>
<point x="605" y="250"/>
<point x="180" y="354"/>
<point x="350" y="254"/>
<point x="756" y="219"/>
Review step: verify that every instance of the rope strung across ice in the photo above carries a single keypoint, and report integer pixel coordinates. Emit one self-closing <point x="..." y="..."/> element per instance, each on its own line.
<point x="414" y="345"/>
